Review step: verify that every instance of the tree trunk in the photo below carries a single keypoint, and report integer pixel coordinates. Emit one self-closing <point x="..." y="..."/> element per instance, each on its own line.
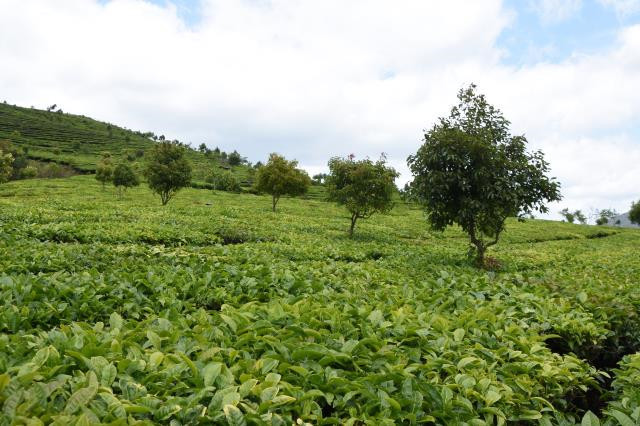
<point x="274" y="202"/>
<point x="480" y="253"/>
<point x="480" y="248"/>
<point x="354" y="218"/>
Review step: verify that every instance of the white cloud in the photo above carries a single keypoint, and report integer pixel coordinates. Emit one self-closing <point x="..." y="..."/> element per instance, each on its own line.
<point x="317" y="79"/>
<point x="623" y="8"/>
<point x="554" y="11"/>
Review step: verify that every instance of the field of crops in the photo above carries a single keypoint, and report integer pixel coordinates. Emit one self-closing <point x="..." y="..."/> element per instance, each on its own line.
<point x="213" y="310"/>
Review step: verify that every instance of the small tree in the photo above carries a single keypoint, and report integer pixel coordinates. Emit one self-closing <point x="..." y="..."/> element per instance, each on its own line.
<point x="235" y="159"/>
<point x="124" y="177"/>
<point x="167" y="170"/>
<point x="634" y="213"/>
<point x="281" y="177"/>
<point x="223" y="180"/>
<point x="571" y="217"/>
<point x="363" y="187"/>
<point x="568" y="216"/>
<point x="472" y="172"/>
<point x="29" y="172"/>
<point x="605" y="215"/>
<point x="104" y="171"/>
<point x="319" y="179"/>
<point x="6" y="170"/>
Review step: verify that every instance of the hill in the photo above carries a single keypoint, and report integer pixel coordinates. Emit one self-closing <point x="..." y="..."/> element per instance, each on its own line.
<point x="79" y="141"/>
<point x="213" y="310"/>
<point x="623" y="220"/>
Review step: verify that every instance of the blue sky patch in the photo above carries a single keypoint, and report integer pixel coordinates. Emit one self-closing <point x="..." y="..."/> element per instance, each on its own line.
<point x="533" y="38"/>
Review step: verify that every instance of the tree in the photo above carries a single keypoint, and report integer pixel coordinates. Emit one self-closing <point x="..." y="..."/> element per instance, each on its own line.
<point x="124" y="177"/>
<point x="605" y="215"/>
<point x="223" y="180"/>
<point x="319" y="179"/>
<point x="580" y="217"/>
<point x="634" y="213"/>
<point x="472" y="172"/>
<point x="281" y="177"/>
<point x="571" y="217"/>
<point x="363" y="187"/>
<point x="235" y="159"/>
<point x="29" y="172"/>
<point x="104" y="170"/>
<point x="6" y="160"/>
<point x="167" y="170"/>
<point x="568" y="216"/>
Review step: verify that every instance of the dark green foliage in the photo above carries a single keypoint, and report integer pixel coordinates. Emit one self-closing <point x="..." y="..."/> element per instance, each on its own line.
<point x="634" y="213"/>
<point x="281" y="177"/>
<point x="234" y="159"/>
<point x="472" y="172"/>
<point x="167" y="170"/>
<point x="363" y="187"/>
<point x="223" y="180"/>
<point x="124" y="177"/>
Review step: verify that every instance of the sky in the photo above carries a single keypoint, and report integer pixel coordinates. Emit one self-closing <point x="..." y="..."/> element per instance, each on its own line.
<point x="313" y="79"/>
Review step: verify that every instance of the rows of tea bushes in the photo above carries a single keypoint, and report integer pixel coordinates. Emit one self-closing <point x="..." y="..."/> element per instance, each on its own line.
<point x="294" y="323"/>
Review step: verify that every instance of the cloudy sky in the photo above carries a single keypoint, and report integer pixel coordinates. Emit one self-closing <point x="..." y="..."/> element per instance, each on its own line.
<point x="313" y="79"/>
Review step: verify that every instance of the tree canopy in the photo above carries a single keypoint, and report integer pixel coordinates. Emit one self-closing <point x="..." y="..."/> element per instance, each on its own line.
<point x="281" y="177"/>
<point x="104" y="170"/>
<point x="124" y="177"/>
<point x="167" y="170"/>
<point x="634" y="213"/>
<point x="473" y="172"/>
<point x="363" y="187"/>
<point x="6" y="170"/>
<point x="223" y="180"/>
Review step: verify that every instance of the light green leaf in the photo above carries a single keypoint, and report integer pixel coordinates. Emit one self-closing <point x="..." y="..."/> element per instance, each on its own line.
<point x="82" y="396"/>
<point x="116" y="321"/>
<point x="458" y="335"/>
<point x="622" y="418"/>
<point x="210" y="373"/>
<point x="492" y="397"/>
<point x="234" y="416"/>
<point x="590" y="419"/>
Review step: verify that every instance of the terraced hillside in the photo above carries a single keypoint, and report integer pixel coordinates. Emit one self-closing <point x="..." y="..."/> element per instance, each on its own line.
<point x="79" y="141"/>
<point x="213" y="310"/>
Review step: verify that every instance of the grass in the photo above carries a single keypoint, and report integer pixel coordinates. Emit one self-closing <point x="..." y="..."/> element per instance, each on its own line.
<point x="213" y="309"/>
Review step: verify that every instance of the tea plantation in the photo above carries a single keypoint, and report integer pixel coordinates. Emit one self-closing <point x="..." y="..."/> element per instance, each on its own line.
<point x="214" y="310"/>
<point x="79" y="142"/>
